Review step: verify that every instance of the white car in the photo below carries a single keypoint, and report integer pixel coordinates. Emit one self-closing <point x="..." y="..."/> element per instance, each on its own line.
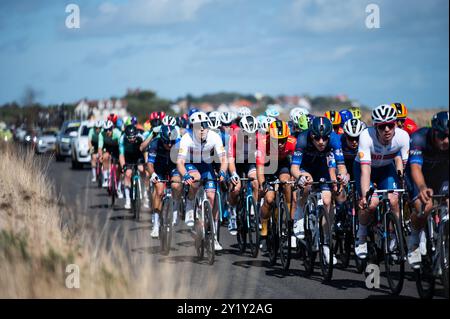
<point x="80" y="147"/>
<point x="45" y="142"/>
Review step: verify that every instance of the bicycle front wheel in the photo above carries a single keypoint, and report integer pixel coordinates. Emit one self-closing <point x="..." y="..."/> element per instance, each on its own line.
<point x="424" y="276"/>
<point x="284" y="233"/>
<point x="209" y="232"/>
<point x="272" y="238"/>
<point x="443" y="249"/>
<point x="325" y="240"/>
<point x="166" y="226"/>
<point x="241" y="228"/>
<point x="253" y="228"/>
<point x="394" y="253"/>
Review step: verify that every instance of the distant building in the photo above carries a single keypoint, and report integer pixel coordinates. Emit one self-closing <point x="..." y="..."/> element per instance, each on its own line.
<point x="100" y="109"/>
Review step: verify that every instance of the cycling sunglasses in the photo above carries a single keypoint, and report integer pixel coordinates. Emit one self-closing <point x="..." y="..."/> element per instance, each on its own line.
<point x="318" y="138"/>
<point x="382" y="127"/>
<point x="352" y="139"/>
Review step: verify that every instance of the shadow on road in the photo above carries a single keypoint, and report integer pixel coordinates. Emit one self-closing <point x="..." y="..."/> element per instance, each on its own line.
<point x="99" y="206"/>
<point x="149" y="227"/>
<point x="179" y="259"/>
<point x="122" y="217"/>
<point x="252" y="263"/>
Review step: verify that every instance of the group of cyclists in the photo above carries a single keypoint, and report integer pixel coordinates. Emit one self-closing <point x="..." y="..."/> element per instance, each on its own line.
<point x="220" y="148"/>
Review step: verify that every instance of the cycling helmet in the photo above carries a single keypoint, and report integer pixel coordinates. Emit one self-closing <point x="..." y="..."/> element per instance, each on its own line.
<point x="113" y="118"/>
<point x="192" y="110"/>
<point x="439" y="122"/>
<point x="334" y="117"/>
<point x="227" y="117"/>
<point x="310" y="118"/>
<point x="169" y="120"/>
<point x="98" y="124"/>
<point x="130" y="132"/>
<point x="108" y="125"/>
<point x="321" y="126"/>
<point x="147" y="126"/>
<point x="410" y="126"/>
<point x="264" y="123"/>
<point x="295" y="114"/>
<point x="215" y="119"/>
<point x="168" y="134"/>
<point x="198" y="118"/>
<point x="271" y="112"/>
<point x="356" y="112"/>
<point x="384" y="113"/>
<point x="400" y="108"/>
<point x="249" y="124"/>
<point x="354" y="127"/>
<point x="279" y="129"/>
<point x="244" y="111"/>
<point x="345" y="116"/>
<point x="303" y="123"/>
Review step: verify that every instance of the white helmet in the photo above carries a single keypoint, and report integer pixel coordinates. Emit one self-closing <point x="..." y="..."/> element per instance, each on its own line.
<point x="169" y="120"/>
<point x="244" y="111"/>
<point x="270" y="112"/>
<point x="265" y="122"/>
<point x="227" y="117"/>
<point x="293" y="113"/>
<point x="199" y="117"/>
<point x="215" y="119"/>
<point x="108" y="125"/>
<point x="249" y="124"/>
<point x="384" y="113"/>
<point x="98" y="124"/>
<point x="354" y="127"/>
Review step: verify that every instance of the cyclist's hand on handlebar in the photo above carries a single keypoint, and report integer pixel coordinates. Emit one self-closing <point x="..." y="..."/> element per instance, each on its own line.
<point x="222" y="176"/>
<point x="234" y="178"/>
<point x="343" y="178"/>
<point x="363" y="203"/>
<point x="302" y="180"/>
<point x="425" y="195"/>
<point x="154" y="178"/>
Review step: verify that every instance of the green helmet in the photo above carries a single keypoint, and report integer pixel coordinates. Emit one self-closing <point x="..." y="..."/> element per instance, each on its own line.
<point x="303" y="122"/>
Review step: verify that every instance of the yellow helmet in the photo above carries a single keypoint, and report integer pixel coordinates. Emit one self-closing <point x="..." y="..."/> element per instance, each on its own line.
<point x="279" y="129"/>
<point x="147" y="126"/>
<point x="356" y="111"/>
<point x="400" y="108"/>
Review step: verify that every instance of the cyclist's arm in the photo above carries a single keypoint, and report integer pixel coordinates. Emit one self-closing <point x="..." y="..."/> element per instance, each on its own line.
<point x="365" y="178"/>
<point x="398" y="164"/>
<point x="220" y="151"/>
<point x="150" y="168"/>
<point x="122" y="160"/>
<point x="417" y="176"/>
<point x="364" y="154"/>
<point x="147" y="139"/>
<point x="100" y="144"/>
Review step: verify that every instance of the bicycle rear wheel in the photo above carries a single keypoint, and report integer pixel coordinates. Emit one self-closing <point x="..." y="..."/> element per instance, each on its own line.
<point x="425" y="279"/>
<point x="253" y="227"/>
<point x="209" y="232"/>
<point x="284" y="233"/>
<point x="326" y="239"/>
<point x="443" y="250"/>
<point x="199" y="228"/>
<point x="272" y="238"/>
<point x="241" y="228"/>
<point x="166" y="225"/>
<point x="307" y="252"/>
<point x="394" y="256"/>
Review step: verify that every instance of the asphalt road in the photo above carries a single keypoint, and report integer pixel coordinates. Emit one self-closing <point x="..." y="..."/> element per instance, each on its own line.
<point x="237" y="276"/>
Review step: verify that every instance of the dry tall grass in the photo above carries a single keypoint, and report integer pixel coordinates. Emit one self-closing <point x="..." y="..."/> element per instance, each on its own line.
<point x="39" y="238"/>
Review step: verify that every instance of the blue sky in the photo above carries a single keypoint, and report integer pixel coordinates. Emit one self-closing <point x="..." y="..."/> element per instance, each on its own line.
<point x="175" y="47"/>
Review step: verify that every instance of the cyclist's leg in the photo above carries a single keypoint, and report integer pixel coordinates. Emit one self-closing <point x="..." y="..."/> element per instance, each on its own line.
<point x="94" y="166"/>
<point x="255" y="185"/>
<point x="177" y="189"/>
<point x="189" y="216"/>
<point x="106" y="157"/>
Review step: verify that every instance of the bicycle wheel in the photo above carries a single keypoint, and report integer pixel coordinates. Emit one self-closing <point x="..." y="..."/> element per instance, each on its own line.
<point x="166" y="225"/>
<point x="443" y="250"/>
<point x="199" y="230"/>
<point x="272" y="238"/>
<point x="325" y="235"/>
<point x="284" y="233"/>
<point x="219" y="199"/>
<point x="425" y="279"/>
<point x="241" y="228"/>
<point x="394" y="256"/>
<point x="113" y="187"/>
<point x="209" y="232"/>
<point x="252" y="227"/>
<point x="99" y="176"/>
<point x="307" y="252"/>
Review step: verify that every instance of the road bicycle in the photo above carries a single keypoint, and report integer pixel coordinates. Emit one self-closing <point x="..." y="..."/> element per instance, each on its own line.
<point x="136" y="191"/>
<point x="166" y="219"/>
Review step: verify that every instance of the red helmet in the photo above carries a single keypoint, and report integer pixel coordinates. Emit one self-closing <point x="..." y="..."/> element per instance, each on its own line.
<point x="410" y="126"/>
<point x="157" y="116"/>
<point x="185" y="116"/>
<point x="113" y="118"/>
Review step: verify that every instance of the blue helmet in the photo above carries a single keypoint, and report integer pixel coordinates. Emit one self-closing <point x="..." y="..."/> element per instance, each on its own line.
<point x="119" y="123"/>
<point x="168" y="134"/>
<point x="192" y="110"/>
<point x="321" y="126"/>
<point x="439" y="122"/>
<point x="345" y="116"/>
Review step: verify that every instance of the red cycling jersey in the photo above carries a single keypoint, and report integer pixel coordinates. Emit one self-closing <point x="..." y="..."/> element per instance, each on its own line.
<point x="264" y="148"/>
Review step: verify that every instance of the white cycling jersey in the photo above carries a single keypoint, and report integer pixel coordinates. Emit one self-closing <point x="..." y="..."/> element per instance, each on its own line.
<point x="373" y="153"/>
<point x="194" y="151"/>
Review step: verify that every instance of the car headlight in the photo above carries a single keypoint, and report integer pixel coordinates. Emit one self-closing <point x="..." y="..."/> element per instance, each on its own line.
<point x="40" y="142"/>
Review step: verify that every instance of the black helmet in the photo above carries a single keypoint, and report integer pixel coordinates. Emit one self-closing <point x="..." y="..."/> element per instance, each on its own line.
<point x="321" y="126"/>
<point x="131" y="132"/>
<point x="168" y="134"/>
<point x="439" y="122"/>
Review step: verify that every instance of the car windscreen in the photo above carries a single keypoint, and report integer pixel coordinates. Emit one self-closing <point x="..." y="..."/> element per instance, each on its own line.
<point x="49" y="133"/>
<point x="70" y="129"/>
<point x="85" y="131"/>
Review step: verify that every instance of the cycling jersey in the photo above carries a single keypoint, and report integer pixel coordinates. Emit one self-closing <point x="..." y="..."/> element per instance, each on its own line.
<point x="161" y="158"/>
<point x="372" y="152"/>
<point x="245" y="154"/>
<point x="131" y="151"/>
<point x="264" y="146"/>
<point x="349" y="155"/>
<point x="434" y="163"/>
<point x="93" y="137"/>
<point x="195" y="151"/>
<point x="110" y="143"/>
